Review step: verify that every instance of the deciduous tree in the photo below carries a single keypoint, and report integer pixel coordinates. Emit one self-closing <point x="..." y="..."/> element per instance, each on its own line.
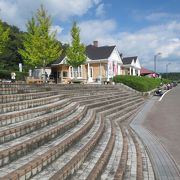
<point x="76" y="51"/>
<point x="4" y="36"/>
<point x="40" y="44"/>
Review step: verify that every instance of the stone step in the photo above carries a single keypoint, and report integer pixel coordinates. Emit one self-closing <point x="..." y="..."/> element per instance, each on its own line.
<point x="85" y="92"/>
<point x="20" y="90"/>
<point x="27" y="96"/>
<point x="16" y="130"/>
<point x="104" y="97"/>
<point x="123" y="109"/>
<point x="131" y="165"/>
<point x="24" y="169"/>
<point x="126" y="116"/>
<point x="26" y="114"/>
<point x="93" y="159"/>
<point x="116" y="102"/>
<point x="144" y="166"/>
<point x="111" y="168"/>
<point x="119" y="174"/>
<point x="73" y="152"/>
<point x="97" y="96"/>
<point x="19" y="131"/>
<point x="61" y="144"/>
<point x="20" y="105"/>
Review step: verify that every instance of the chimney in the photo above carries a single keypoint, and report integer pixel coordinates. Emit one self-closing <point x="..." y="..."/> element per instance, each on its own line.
<point x="95" y="43"/>
<point x="121" y="55"/>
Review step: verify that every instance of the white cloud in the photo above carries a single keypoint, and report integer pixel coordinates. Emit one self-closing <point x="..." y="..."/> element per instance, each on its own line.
<point x="160" y="16"/>
<point x="100" y="30"/>
<point x="145" y="43"/>
<point x="100" y="11"/>
<point x="17" y="12"/>
<point x="56" y="28"/>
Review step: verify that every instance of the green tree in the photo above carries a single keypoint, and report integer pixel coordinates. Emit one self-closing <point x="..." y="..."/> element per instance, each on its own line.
<point x="40" y="44"/>
<point x="4" y="36"/>
<point x="76" y="51"/>
<point x="10" y="58"/>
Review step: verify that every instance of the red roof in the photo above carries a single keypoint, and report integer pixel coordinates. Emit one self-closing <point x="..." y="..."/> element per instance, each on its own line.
<point x="146" y="71"/>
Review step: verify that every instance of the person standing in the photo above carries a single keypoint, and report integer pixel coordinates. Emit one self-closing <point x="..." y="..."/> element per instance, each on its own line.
<point x="13" y="77"/>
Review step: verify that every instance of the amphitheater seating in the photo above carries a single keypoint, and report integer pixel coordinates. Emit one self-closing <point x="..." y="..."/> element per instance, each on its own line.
<point x="73" y="131"/>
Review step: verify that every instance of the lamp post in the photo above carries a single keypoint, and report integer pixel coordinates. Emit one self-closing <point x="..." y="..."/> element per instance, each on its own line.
<point x="167" y="69"/>
<point x="155" y="57"/>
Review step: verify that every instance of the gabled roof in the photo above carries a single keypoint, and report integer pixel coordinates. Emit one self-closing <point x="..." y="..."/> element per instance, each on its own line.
<point x="128" y="60"/>
<point x="95" y="53"/>
<point x="58" y="61"/>
<point x="146" y="71"/>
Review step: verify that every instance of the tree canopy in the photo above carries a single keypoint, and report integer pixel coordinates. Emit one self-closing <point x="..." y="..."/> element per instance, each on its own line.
<point x="4" y="36"/>
<point x="76" y="51"/>
<point x="10" y="58"/>
<point x="40" y="44"/>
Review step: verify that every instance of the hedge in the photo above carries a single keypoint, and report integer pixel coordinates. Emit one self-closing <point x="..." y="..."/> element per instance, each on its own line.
<point x="20" y="76"/>
<point x="138" y="83"/>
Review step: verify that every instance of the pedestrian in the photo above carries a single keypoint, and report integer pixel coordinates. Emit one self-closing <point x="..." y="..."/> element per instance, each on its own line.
<point x="13" y="77"/>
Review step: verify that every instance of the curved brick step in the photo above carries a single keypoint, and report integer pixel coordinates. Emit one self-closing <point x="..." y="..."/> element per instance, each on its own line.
<point x="16" y="130"/>
<point x="116" y="102"/>
<point x="100" y="165"/>
<point x="104" y="100"/>
<point x="65" y="161"/>
<point x="98" y="169"/>
<point x="90" y="161"/>
<point x="86" y="169"/>
<point x="144" y="166"/>
<point x="20" y="105"/>
<point x="104" y="97"/>
<point x="25" y="144"/>
<point x="111" y="168"/>
<point x="42" y="121"/>
<point x="123" y="108"/>
<point x="40" y="157"/>
<point x="20" y="90"/>
<point x="103" y="159"/>
<point x="27" y="114"/>
<point x="124" y="156"/>
<point x="27" y="96"/>
<point x="126" y="116"/>
<point x="78" y="92"/>
<point x="131" y="165"/>
<point x="97" y="96"/>
<point x="37" y="162"/>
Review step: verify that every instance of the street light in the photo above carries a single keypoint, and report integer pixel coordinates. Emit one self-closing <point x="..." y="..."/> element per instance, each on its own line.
<point x="167" y="69"/>
<point x="155" y="56"/>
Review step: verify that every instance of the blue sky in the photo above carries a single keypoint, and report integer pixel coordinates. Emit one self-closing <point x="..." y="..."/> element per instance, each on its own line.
<point x="137" y="27"/>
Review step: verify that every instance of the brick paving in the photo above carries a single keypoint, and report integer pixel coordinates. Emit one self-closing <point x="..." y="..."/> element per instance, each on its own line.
<point x="164" y="166"/>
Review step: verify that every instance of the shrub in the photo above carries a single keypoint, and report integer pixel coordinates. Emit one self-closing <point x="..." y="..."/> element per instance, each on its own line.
<point x="142" y="84"/>
<point x="6" y="74"/>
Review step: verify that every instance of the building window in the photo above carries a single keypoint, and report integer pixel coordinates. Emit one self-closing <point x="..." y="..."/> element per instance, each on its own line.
<point x="76" y="71"/>
<point x="91" y="71"/>
<point x="71" y="71"/>
<point x="65" y="74"/>
<point x="79" y="71"/>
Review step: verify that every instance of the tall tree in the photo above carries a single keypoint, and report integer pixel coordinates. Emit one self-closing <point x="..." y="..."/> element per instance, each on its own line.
<point x="4" y="36"/>
<point x="40" y="44"/>
<point x="76" y="51"/>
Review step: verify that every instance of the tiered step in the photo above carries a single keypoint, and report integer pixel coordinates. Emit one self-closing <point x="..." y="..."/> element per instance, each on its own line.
<point x="72" y="132"/>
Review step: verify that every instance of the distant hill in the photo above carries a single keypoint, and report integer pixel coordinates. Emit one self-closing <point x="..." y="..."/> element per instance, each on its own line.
<point x="175" y="76"/>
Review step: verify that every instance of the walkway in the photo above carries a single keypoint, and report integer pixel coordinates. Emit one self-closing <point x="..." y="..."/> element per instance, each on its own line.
<point x="158" y="126"/>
